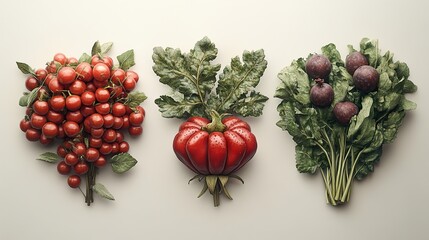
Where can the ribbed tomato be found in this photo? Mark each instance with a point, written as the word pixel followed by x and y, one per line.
pixel 214 148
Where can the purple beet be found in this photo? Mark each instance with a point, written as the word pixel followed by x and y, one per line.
pixel 354 60
pixel 366 79
pixel 318 66
pixel 344 111
pixel 321 94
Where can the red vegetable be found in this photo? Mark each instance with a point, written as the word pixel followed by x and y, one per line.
pixel 217 148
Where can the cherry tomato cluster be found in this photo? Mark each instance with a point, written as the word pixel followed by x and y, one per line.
pixel 84 104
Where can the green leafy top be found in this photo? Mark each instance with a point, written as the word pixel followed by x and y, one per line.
pixel 315 129
pixel 196 91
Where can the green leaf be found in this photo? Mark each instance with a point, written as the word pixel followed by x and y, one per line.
pixel 340 85
pixel 408 105
pixel 331 52
pixel 391 125
pixel 366 163
pixel 295 85
pixel 306 160
pixel 126 60
pixel 49 157
pixel 96 48
pixel 85 58
pixel 25 68
pixel 171 108
pixel 402 71
pixel 105 47
pixel 240 78
pixel 287 113
pixel 409 86
pixel 251 105
pixel 122 162
pixel 32 96
pixel 369 48
pixel 134 99
pixel 102 191
pixel 366 132
pixel 23 100
pixel 362 115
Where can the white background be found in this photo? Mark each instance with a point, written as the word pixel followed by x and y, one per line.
pixel 153 200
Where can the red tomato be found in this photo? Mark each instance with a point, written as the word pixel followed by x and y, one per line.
pixel 209 151
pixel 84 72
pixel 66 75
pixel 101 72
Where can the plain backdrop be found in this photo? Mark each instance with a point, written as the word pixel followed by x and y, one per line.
pixel 154 200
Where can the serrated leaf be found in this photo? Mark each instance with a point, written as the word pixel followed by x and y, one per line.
pixel 331 52
pixel 306 162
pixel 170 108
pixel 85 58
pixel 23 100
pixel 295 85
pixel 251 105
pixel 409 86
pixel 49 157
pixel 126 60
pixel 408 105
pixel 105 47
pixel 102 191
pixel 239 78
pixel 135 98
pixel 369 48
pixel 362 115
pixel 96 48
pixel 25 68
pixel 122 162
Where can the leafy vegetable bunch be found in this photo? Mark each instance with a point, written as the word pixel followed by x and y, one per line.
pixel 340 114
pixel 211 142
pixel 86 105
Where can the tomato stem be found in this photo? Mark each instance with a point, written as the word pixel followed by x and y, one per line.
pixel 216 124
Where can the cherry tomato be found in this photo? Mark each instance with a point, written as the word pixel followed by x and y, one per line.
pixel 129 84
pixel 87 110
pixel 100 162
pixel 118 109
pixel 32 134
pixel 71 129
pixel 37 121
pixel 66 75
pixel 49 78
pixel 41 107
pixel 116 92
pixel 102 95
pixel 41 74
pixel 97 132
pixel 72 61
pixel 61 133
pixel 133 75
pixel 55 117
pixel 136 119
pixel 50 130
pixel 73 102
pixel 55 86
pixel 117 76
pixel 61 151
pixel 24 125
pixel 81 168
pixel 52 67
pixel 60 58
pixel 118 122
pixel 75 116
pixel 31 83
pixel 106 60
pixel 77 87
pixel 84 72
pixel 79 149
pixel 87 98
pixel 73 181
pixel 92 154
pixel 109 135
pixel 126 123
pixel 101 72
pixel 63 168
pixel 96 120
pixel 101 84
pixel 44 140
pixel 95 142
pixel 119 137
pixel 57 103
pixel 124 147
pixel 105 148
pixel 115 148
pixel 102 108
pixel 135 130
pixel 90 87
pixel 108 120
pixel 71 159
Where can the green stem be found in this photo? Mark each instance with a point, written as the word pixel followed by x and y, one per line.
pixel 351 176
pixel 330 199
pixel 216 124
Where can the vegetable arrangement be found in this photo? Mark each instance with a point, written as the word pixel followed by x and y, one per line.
pixel 86 104
pixel 211 142
pixel 341 113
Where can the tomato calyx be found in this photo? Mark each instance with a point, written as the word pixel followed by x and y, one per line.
pixel 216 124
pixel 216 184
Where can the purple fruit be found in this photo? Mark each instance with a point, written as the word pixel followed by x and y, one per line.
pixel 354 60
pixel 366 79
pixel 344 111
pixel 321 94
pixel 318 66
